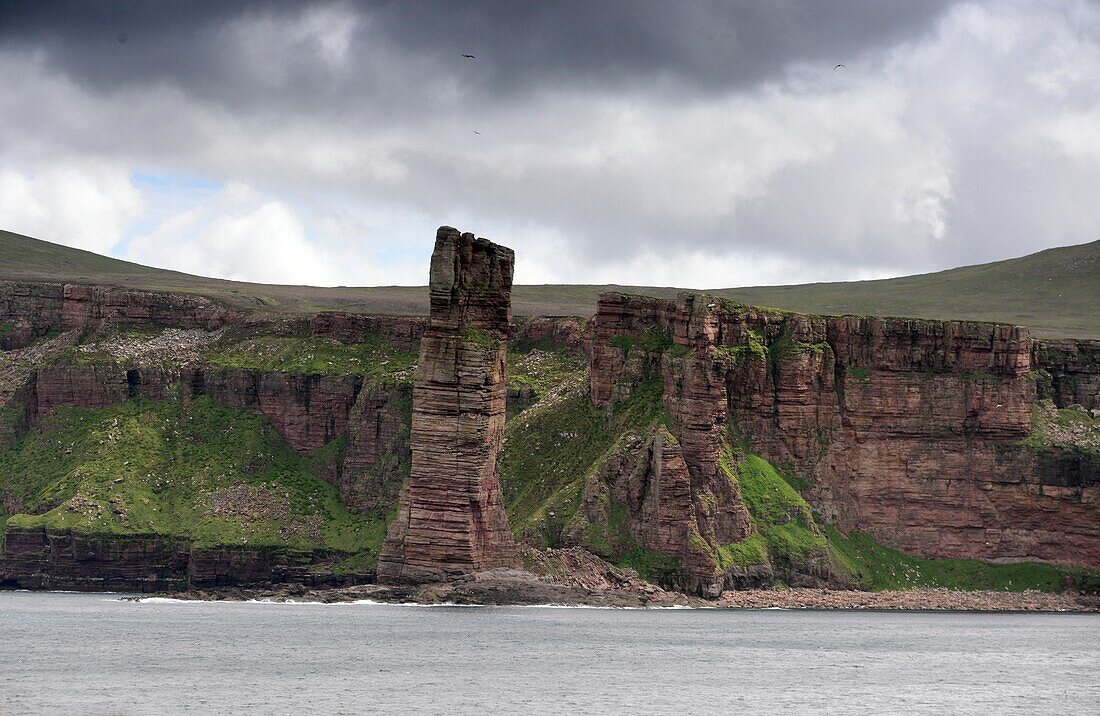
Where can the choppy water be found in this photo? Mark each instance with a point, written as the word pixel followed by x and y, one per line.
pixel 88 653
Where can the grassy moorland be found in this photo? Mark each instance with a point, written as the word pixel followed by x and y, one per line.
pixel 1054 292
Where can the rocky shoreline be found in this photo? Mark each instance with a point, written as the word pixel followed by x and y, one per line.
pixel 912 600
pixel 505 587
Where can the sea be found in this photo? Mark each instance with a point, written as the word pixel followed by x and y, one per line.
pixel 66 653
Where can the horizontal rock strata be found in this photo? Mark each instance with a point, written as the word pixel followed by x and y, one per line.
pixel 36 558
pixel 32 310
pixel 451 517
pixel 910 430
pixel 1070 372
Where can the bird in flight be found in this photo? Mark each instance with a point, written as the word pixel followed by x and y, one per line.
pixel 477 133
pixel 838 67
pixel 469 57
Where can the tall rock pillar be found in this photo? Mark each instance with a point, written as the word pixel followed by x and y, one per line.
pixel 450 518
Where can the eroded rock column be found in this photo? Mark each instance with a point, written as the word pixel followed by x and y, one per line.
pixel 451 518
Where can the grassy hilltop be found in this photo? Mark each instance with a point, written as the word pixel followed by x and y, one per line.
pixel 1054 292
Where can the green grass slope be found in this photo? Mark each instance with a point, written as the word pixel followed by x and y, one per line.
pixel 1055 292
pixel 551 450
pixel 196 470
pixel 877 567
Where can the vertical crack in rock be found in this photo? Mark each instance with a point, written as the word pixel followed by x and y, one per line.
pixel 450 519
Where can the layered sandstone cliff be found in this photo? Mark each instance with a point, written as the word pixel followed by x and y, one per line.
pixel 641 344
pixel 910 430
pixel 451 516
pixel 309 410
pixel 921 433
pixel 32 310
pixel 38 558
pixel 1070 372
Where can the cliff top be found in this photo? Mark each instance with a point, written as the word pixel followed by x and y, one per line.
pixel 470 283
pixel 730 307
pixel 1053 292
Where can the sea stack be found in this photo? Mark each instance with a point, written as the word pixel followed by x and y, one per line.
pixel 450 519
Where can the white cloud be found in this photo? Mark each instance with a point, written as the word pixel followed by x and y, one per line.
pixel 236 235
pixel 240 234
pixel 976 141
pixel 83 204
pixel 1077 135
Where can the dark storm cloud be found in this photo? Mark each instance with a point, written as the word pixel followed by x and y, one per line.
pixel 520 46
pixel 705 44
pixel 671 142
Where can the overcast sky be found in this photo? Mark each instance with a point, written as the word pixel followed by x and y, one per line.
pixel 707 144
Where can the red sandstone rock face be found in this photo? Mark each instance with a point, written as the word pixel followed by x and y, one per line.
pixel 93 387
pixel 908 429
pixel 696 397
pixel 34 309
pixel 35 558
pixel 958 497
pixel 85 387
pixel 309 411
pixel 936 404
pixel 378 450
pixel 402 332
pixel 899 344
pixel 29 311
pixel 451 517
pixel 1074 370
pixel 667 512
pixel 564 333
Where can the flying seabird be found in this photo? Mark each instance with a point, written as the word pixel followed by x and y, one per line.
pixel 477 133
pixel 469 57
pixel 837 67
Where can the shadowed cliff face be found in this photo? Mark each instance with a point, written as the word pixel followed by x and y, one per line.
pixel 451 516
pixel 913 431
pixel 1070 372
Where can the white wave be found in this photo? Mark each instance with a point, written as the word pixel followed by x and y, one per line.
pixel 651 607
pixel 373 602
